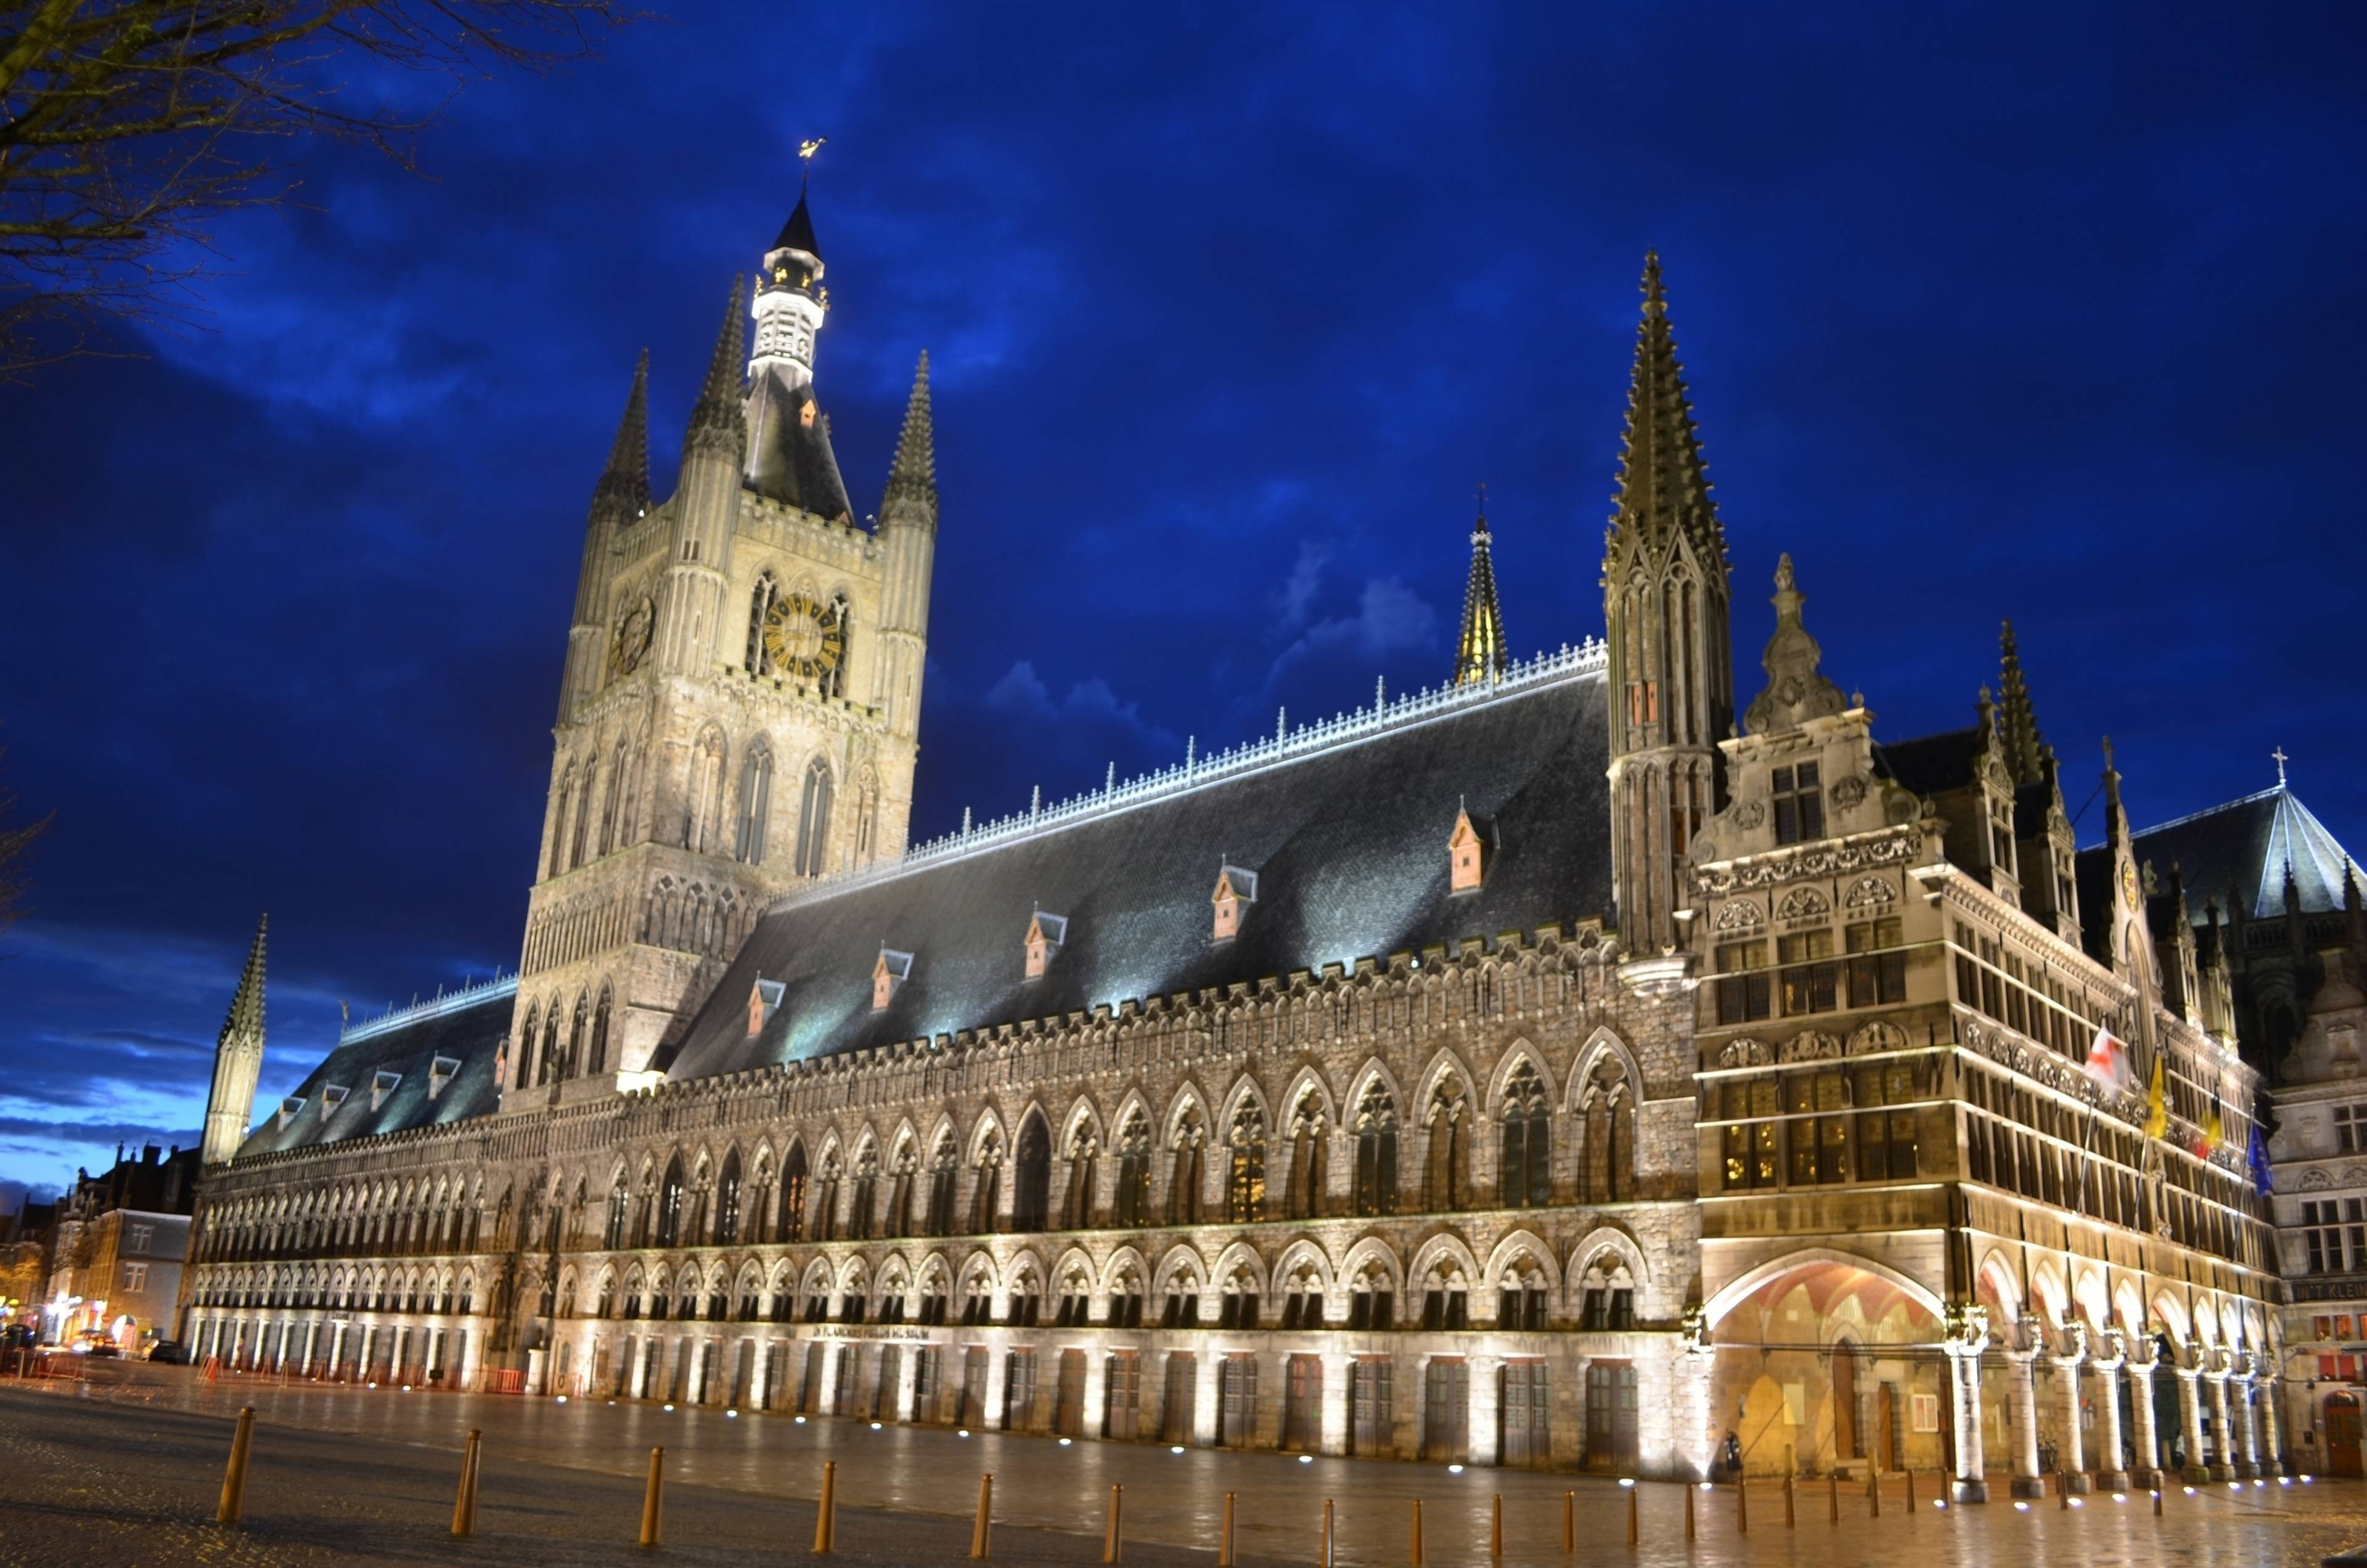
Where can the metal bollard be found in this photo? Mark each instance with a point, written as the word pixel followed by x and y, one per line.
pixel 2156 1502
pixel 1326 1561
pixel 1569 1521
pixel 1833 1497
pixel 1631 1513
pixel 1911 1492
pixel 1741 1507
pixel 1496 1527
pixel 653 1499
pixel 826 1512
pixel 464 1507
pixel 1413 1550
pixel 977 1532
pixel 234 1492
pixel 1874 1489
pixel 1225 1541
pixel 1113 1537
pixel 1689 1510
pixel 1790 1517
pixel 2062 1493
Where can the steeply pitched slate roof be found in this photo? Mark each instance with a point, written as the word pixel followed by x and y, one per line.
pixel 1930 764
pixel 2245 845
pixel 792 460
pixel 469 1027
pixel 1349 841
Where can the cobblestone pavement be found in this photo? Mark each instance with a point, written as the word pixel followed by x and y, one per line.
pixel 127 1470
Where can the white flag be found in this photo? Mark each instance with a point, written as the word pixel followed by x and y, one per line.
pixel 2107 1062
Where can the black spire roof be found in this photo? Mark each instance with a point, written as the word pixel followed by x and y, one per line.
pixel 798 233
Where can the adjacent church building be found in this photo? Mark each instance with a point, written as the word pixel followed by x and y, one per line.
pixel 1568 1066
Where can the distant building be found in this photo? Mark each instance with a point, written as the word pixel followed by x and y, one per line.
pixel 117 1249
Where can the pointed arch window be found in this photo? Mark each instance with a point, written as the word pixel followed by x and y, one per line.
pixel 546 1059
pixel 825 1224
pixel 1084 1177
pixel 813 819
pixel 1030 1194
pixel 1526 1168
pixel 612 797
pixel 559 821
pixel 1133 1196
pixel 670 1204
pixel 1245 1167
pixel 727 1201
pixel 755 803
pixel 524 1074
pixel 867 818
pixel 619 1202
pixel 579 1025
pixel 792 1224
pixel 702 821
pixel 901 1174
pixel 1377 1152
pixel 1188 1170
pixel 944 1170
pixel 986 1196
pixel 597 1062
pixel 1609 1156
pixel 582 829
pixel 1303 1188
pixel 760 604
pixel 1442 1177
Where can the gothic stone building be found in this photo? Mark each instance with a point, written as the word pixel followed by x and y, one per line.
pixel 1533 1071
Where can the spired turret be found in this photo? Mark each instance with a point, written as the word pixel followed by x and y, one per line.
pixel 788 453
pixel 238 1061
pixel 908 530
pixel 1479 650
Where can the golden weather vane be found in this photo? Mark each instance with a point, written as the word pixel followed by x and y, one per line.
pixel 808 148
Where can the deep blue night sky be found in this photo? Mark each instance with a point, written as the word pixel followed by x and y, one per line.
pixel 2051 311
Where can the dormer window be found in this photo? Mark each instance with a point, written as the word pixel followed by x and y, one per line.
pixel 382 1085
pixel 1799 804
pixel 763 1001
pixel 1236 888
pixel 441 1071
pixel 1044 935
pixel 289 1109
pixel 892 970
pixel 332 1096
pixel 1469 849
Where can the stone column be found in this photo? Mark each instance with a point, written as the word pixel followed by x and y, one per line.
pixel 908 1374
pixel 1207 1394
pixel 1695 1437
pixel 1338 1398
pixel 2143 1354
pixel 1486 1373
pixel 692 1388
pixel 2190 1410
pixel 998 1383
pixel 640 1382
pixel 1971 1482
pixel 2070 1457
pixel 2249 1460
pixel 2222 1459
pixel 2273 1424
pixel 2106 1362
pixel 760 1368
pixel 2021 1416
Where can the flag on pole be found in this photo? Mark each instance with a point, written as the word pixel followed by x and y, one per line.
pixel 2107 1062
pixel 2156 1108
pixel 2214 1132
pixel 2262 1182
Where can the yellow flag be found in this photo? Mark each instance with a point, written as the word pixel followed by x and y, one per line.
pixel 2157 1109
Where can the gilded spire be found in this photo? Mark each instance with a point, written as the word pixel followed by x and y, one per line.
pixel 1479 653
pixel 2025 754
pixel 717 423
pixel 624 486
pixel 912 476
pixel 1663 491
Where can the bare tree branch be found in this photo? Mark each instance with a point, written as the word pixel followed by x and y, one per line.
pixel 16 840
pixel 128 126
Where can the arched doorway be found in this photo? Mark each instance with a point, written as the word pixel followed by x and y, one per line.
pixel 2342 1434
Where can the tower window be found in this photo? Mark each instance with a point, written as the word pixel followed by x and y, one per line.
pixel 755 803
pixel 1799 804
pixel 760 604
pixel 813 819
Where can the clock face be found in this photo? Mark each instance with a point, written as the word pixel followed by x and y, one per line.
pixel 631 639
pixel 803 637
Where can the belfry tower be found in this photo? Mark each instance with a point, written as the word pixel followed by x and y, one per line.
pixel 740 708
pixel 1664 607
pixel 238 1061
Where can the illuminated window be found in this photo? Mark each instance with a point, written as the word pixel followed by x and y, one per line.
pixel 1799 804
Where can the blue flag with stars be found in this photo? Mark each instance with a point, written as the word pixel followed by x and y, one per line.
pixel 2260 1157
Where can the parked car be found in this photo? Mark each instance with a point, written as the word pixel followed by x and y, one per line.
pixel 19 1336
pixel 168 1351
pixel 99 1348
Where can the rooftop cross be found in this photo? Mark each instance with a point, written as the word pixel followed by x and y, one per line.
pixel 2279 755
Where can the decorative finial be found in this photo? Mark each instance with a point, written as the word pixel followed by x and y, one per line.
pixel 806 151
pixel 2279 755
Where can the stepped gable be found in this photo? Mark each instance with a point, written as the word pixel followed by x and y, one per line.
pixel 469 1027
pixel 1349 841
pixel 2245 845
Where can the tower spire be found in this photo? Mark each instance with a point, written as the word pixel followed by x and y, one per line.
pixel 717 420
pixel 1480 653
pixel 624 486
pixel 2025 754
pixel 238 1060
pixel 1663 489
pixel 912 476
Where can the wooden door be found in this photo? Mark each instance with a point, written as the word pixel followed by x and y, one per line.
pixel 1019 1392
pixel 1446 1411
pixel 891 1373
pixel 1069 1399
pixel 1886 1428
pixel 1845 1435
pixel 972 1411
pixel 2342 1431
pixel 1122 1409
pixel 928 1372
pixel 1369 1421
pixel 1611 1416
pixel 1176 1408
pixel 1302 1411
pixel 1524 1407
pixel 1237 1402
